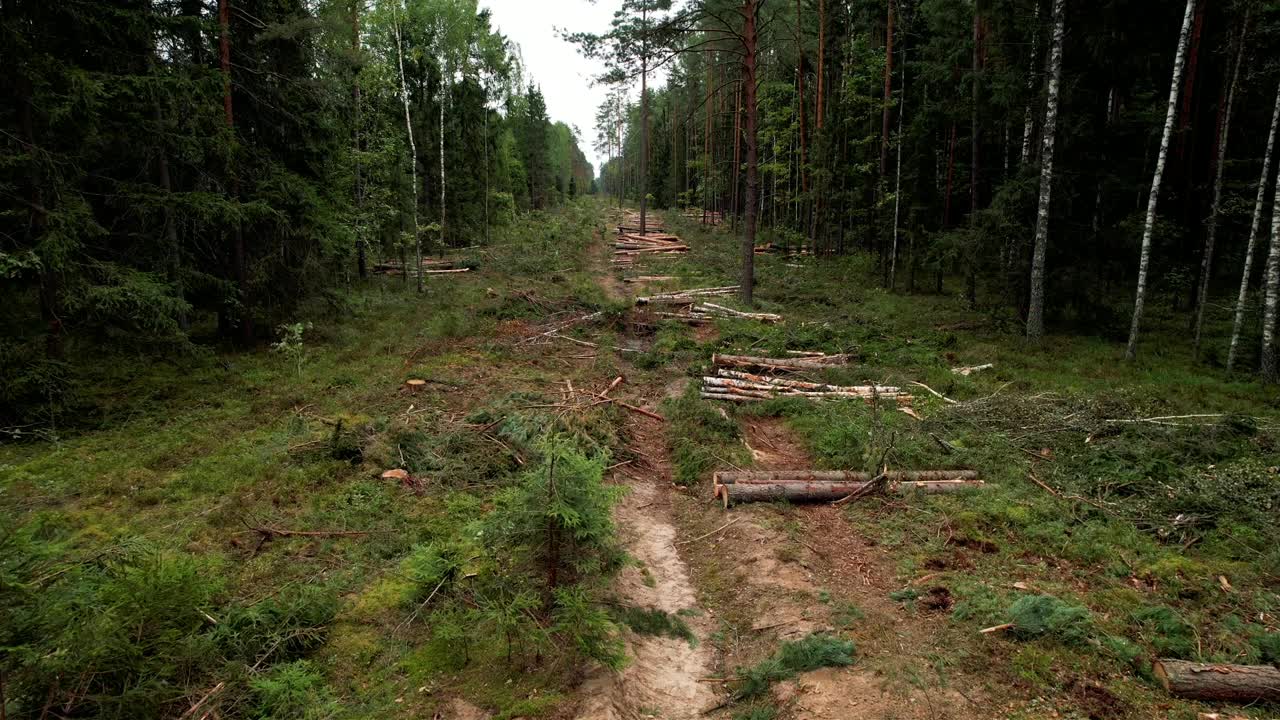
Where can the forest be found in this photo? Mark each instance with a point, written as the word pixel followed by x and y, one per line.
pixel 896 359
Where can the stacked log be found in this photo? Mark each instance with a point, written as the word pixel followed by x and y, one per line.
pixel 797 363
pixel 735 386
pixel 833 485
pixel 430 266
pixel 706 312
pixel 686 297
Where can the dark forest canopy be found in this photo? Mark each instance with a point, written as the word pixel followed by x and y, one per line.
pixel 169 166
pixel 913 129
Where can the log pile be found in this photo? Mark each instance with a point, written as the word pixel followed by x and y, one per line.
pixel 630 223
pixel 834 485
pixel 637 244
pixel 737 386
pixel 706 217
pixel 686 297
pixel 796 363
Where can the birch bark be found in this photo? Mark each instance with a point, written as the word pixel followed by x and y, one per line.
pixel 413 152
pixel 1035 314
pixel 1253 237
pixel 1144 262
pixel 1206 262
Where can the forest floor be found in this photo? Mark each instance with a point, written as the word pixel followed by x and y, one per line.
pixel 1150 538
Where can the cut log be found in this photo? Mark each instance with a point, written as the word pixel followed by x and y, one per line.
pixel 830 491
pixel 713 309
pixel 806 362
pixel 1219 682
pixel 688 294
pixel 649 278
pixel 967 371
pixel 837 476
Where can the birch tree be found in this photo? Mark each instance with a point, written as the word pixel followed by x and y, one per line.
pixel 1271 296
pixel 413 149
pixel 1206 262
pixel 1253 236
pixel 1035 314
pixel 1144 263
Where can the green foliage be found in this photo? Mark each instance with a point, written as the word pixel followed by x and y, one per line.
pixel 1037 616
pixel 700 438
pixel 813 652
pixel 652 621
pixel 293 691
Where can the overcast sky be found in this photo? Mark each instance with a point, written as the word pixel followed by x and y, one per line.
pixel 555 65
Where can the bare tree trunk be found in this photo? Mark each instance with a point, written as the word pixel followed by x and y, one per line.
pixel 1028 124
pixel 897 183
pixel 1253 236
pixel 737 154
pixel 362 262
pixel 749 47
pixel 413 154
pixel 1035 314
pixel 1144 262
pixel 443 97
pixel 1271 283
pixel 644 123
pixel 237 243
pixel 887 111
pixel 975 149
pixel 1206 263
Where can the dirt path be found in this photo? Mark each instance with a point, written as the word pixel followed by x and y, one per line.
pixel 663 678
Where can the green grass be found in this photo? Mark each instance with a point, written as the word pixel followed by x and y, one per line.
pixel 1148 521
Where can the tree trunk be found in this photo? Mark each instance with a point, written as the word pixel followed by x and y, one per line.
pixel 443 96
pixel 413 155
pixel 1144 262
pixel 1253 236
pixel 644 122
pixel 822 58
pixel 239 253
pixel 837 476
pixel 737 155
pixel 887 111
pixel 897 182
pixel 832 491
pixel 1271 283
pixel 1035 313
pixel 362 260
pixel 1245 684
pixel 1224 132
pixel 749 47
pixel 1028 124
pixel 975 149
pixel 1188 94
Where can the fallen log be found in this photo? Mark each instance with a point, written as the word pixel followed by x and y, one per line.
pixel 649 278
pixel 1218 682
pixel 806 362
pixel 967 371
pixel 839 476
pixel 830 491
pixel 713 309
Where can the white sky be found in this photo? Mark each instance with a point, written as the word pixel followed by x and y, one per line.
pixel 555 65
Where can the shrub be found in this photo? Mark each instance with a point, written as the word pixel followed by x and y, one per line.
pixel 292 691
pixel 1037 616
pixel 813 652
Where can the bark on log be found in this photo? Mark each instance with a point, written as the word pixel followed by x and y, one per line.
pixel 829 491
pixel 837 476
pixel 1216 682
